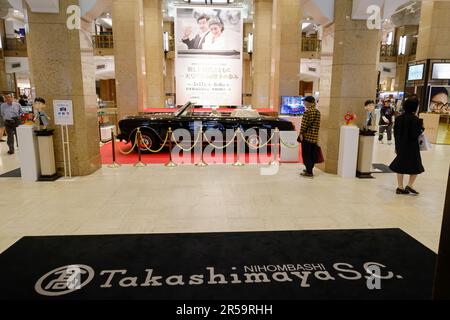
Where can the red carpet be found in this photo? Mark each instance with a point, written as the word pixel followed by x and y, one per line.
pixel 163 157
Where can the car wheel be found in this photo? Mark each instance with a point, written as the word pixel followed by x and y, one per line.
pixel 148 141
pixel 255 140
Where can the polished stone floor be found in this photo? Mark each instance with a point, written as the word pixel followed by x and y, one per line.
pixel 156 199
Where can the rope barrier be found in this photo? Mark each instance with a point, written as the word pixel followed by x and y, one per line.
pixel 170 164
pixel 132 147
pixel 113 141
pixel 287 145
pixel 139 163
pixel 259 147
pixel 192 147
pixel 162 146
pixel 223 147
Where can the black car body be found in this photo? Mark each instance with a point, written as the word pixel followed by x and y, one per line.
pixel 154 126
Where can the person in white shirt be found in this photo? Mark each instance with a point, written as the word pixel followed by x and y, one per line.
pixel 10 112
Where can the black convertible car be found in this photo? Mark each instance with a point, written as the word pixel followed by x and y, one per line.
pixel 154 126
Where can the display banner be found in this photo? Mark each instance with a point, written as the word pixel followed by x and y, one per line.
pixel 438 100
pixel 208 56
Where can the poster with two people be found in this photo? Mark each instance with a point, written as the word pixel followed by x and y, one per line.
pixel 208 56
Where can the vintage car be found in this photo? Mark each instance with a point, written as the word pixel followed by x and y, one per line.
pixel 154 126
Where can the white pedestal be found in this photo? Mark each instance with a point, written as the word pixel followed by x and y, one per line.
pixel 105 133
pixel 28 153
pixel 365 154
pixel 348 151
pixel 289 147
pixel 46 155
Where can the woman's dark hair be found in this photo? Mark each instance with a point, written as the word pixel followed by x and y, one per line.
pixel 410 105
pixel 217 21
pixel 39 99
pixel 368 102
pixel 2 99
pixel 438 90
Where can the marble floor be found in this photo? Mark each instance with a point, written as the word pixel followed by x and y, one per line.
pixel 156 199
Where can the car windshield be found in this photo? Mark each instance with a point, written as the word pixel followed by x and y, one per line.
pixel 184 110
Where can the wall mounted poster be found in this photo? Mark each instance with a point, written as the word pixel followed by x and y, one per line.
pixel 208 56
pixel 438 102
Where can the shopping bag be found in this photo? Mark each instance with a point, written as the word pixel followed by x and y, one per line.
pixel 319 155
pixel 424 144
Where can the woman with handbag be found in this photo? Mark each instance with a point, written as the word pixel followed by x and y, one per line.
pixel 408 127
pixel 309 136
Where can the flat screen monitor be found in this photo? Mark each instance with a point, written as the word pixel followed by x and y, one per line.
pixel 441 71
pixel 292 105
pixel 415 72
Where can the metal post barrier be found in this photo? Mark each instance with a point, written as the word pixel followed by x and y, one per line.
pixel 238 163
pixel 201 163
pixel 170 164
pixel 113 141
pixel 275 160
pixel 139 140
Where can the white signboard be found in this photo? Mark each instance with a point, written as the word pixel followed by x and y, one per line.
pixel 63 112
pixel 208 56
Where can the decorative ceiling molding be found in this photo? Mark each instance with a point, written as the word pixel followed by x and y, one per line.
pixel 43 6
pixel 322 11
pixel 388 8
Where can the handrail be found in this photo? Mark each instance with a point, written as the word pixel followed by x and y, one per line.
pixel 104 41
pixel 388 50
pixel 16 44
pixel 311 44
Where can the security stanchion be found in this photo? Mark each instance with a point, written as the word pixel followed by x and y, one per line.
pixel 275 160
pixel 113 141
pixel 201 163
pixel 139 139
pixel 238 163
pixel 170 164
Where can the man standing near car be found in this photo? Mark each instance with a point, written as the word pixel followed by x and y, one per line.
pixel 309 135
pixel 10 112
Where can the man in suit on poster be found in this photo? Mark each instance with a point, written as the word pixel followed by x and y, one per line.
pixel 198 41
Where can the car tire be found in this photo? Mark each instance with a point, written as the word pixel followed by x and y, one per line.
pixel 255 141
pixel 148 141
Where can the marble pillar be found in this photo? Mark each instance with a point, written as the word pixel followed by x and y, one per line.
pixel 348 76
pixel 62 68
pixel 129 56
pixel 276 57
pixel 261 58
pixel 434 31
pixel 290 14
pixel 3 77
pixel 154 54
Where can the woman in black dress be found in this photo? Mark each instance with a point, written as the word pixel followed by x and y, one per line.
pixel 407 129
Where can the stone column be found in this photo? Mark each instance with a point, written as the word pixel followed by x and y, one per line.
pixel 261 57
pixel 129 55
pixel 290 13
pixel 348 76
pixel 62 68
pixel 3 78
pixel 276 58
pixel 154 54
pixel 434 31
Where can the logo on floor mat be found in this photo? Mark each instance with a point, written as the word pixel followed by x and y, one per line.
pixel 64 280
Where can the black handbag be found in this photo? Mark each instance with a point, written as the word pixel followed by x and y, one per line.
pixel 14 122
